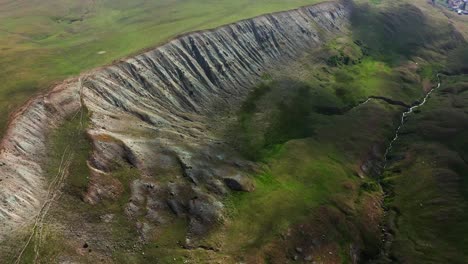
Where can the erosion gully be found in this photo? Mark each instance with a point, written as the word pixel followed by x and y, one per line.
pixel 403 119
pixel 387 237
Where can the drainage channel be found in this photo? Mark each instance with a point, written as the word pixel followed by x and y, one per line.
pixel 387 237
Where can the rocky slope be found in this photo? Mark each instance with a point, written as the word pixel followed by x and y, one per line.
pixel 23 186
pixel 158 112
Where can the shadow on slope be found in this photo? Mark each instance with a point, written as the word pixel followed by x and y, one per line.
pixel 401 31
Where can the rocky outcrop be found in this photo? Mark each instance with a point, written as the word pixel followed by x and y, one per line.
pixel 23 186
pixel 157 112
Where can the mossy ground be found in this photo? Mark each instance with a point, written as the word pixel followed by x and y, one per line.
pixel 313 141
pixel 312 144
pixel 429 185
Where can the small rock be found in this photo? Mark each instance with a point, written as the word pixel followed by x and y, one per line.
pixel 308 258
pixel 175 207
pixel 107 218
pixel 239 183
pixel 299 250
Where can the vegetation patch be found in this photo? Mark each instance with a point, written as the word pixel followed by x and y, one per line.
pixel 429 185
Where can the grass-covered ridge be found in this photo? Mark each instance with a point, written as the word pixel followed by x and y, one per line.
pixel 46 41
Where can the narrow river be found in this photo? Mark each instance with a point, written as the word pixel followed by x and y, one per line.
pixel 403 119
pixel 386 233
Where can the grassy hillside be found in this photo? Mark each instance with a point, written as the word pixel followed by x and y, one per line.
pixel 46 41
pixel 310 176
pixel 315 143
pixel 426 179
pixel 429 185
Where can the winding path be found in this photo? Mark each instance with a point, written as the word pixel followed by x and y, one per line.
pixel 53 194
pixel 54 190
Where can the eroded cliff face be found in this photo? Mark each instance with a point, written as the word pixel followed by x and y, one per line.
pixel 158 112
pixel 23 185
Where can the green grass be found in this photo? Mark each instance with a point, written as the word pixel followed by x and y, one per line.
pixel 318 143
pixel 61 145
pixel 53 244
pixel 47 41
pixel 302 126
pixel 370 78
pixel 430 184
pixel 290 107
pixel 305 175
pixel 299 180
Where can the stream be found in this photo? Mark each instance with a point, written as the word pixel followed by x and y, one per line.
pixel 386 232
pixel 403 118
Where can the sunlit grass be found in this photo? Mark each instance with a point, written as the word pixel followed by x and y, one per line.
pixel 46 41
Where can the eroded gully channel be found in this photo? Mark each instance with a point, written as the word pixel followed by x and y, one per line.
pixel 403 117
pixel 387 237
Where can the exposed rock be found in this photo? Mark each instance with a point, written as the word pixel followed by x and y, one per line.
pixel 107 218
pixel 373 164
pixel 23 149
pixel 205 212
pixel 163 103
pixel 239 183
pixel 176 207
pixel 101 187
pixel 155 112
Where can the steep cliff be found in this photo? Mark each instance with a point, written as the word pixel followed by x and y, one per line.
pixel 157 112
pixel 23 185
